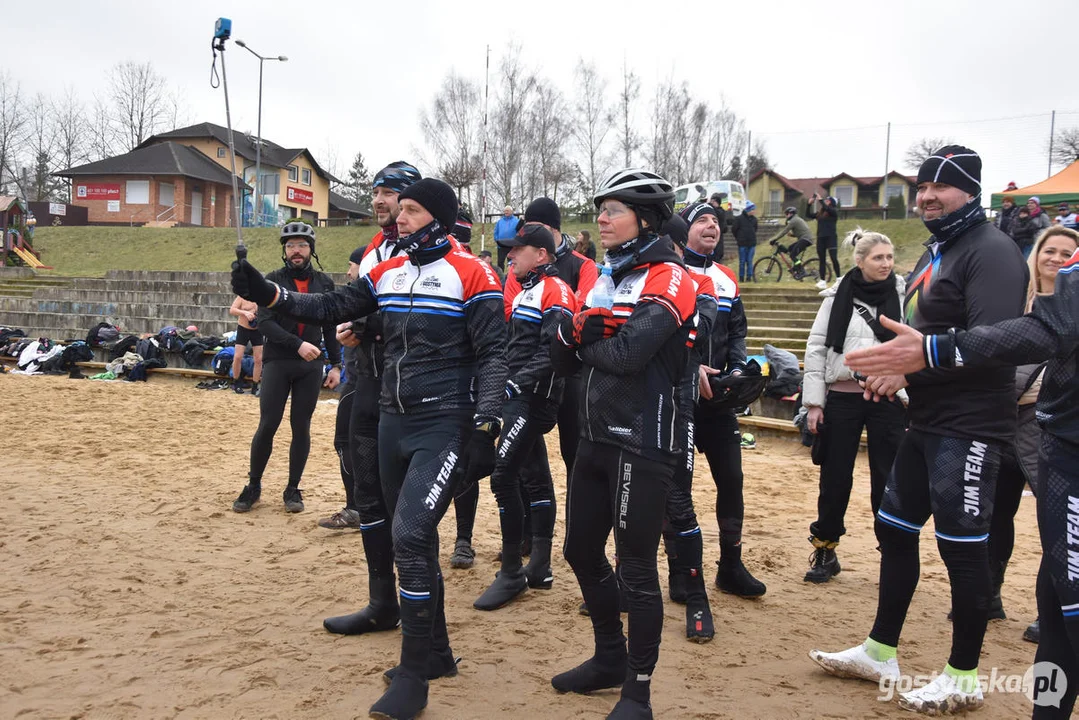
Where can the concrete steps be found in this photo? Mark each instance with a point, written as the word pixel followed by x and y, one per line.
pixel 779 314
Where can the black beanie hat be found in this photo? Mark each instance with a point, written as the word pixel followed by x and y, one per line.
pixel 544 210
pixel 953 165
pixel 691 213
pixel 357 255
pixel 436 197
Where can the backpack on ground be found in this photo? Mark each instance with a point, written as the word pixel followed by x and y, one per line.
pixel 149 349
pixel 102 333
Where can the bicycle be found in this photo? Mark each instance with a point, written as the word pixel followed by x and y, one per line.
pixel 770 269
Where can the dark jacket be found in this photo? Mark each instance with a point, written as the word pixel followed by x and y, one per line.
pixel 537 312
pixel 977 278
pixel 283 335
pixel 1005 220
pixel 1024 230
pixel 745 230
pixel 633 381
pixel 1050 331
pixel 444 333
pixel 574 269
pixel 826 217
pixel 726 347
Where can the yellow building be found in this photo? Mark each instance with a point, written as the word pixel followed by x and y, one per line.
pixel 857 196
pixel 292 183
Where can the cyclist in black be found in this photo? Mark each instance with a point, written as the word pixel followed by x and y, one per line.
pixel 529 411
pixel 382 612
pixel 716 430
pixel 1049 332
pixel 634 356
pixel 445 374
pixel 292 365
pixel 970 275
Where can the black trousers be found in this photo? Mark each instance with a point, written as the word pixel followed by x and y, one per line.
pixel 282 378
pixel 615 489
pixel 418 458
pixel 521 456
pixel 827 245
pixel 954 480
pixel 1058 581
pixel 363 446
pixel 1010 484
pixel 718 437
pixel 341 428
pixel 845 415
pixel 569 422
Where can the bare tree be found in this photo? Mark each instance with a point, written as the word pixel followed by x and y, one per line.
pixel 921 149
pixel 725 143
pixel 35 178
pixel 101 131
pixel 12 128
pixel 71 131
pixel 510 124
pixel 139 102
pixel 628 139
pixel 1066 146
pixel 758 159
pixel 670 146
pixel 593 124
pixel 548 132
pixel 452 128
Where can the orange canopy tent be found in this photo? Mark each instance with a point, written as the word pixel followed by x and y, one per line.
pixel 1062 187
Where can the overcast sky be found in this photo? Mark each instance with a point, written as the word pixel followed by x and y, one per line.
pixel 818 85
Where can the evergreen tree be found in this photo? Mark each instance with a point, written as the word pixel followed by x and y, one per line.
pixel 358 187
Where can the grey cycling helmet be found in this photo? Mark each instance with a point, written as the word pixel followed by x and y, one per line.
pixel 634 186
pixel 298 229
pixel 790 210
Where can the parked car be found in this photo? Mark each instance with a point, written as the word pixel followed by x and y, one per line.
pixel 702 190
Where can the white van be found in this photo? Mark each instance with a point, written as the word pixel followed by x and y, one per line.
pixel 702 190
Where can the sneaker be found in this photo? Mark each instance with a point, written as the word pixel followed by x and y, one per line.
pixel 856 663
pixel 248 497
pixel 343 519
pixel 293 500
pixel 463 555
pixel 822 284
pixel 255 389
pixel 823 565
pixel 944 696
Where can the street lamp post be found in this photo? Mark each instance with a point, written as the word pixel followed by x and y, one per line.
pixel 258 143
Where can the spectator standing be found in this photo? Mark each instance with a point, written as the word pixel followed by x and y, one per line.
pixel 848 319
pixel 1005 220
pixel 505 228
pixel 745 235
pixel 826 215
pixel 1066 217
pixel 1024 229
pixel 1039 216
pixel 247 331
pixel 585 246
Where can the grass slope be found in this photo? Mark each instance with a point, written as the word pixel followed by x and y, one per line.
pixel 92 251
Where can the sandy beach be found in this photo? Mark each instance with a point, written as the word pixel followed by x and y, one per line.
pixel 131 590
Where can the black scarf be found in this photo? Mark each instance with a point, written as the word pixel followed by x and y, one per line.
pixel 626 256
pixel 427 236
pixel 538 273
pixel 957 222
pixel 880 295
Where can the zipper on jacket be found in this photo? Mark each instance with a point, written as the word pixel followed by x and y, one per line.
pixel 404 336
pixel 674 417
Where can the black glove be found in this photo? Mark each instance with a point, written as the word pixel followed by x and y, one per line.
pixel 480 451
pixel 248 283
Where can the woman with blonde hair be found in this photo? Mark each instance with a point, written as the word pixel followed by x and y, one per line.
pixel 1050 251
pixel 848 320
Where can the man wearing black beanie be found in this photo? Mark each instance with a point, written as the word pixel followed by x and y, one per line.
pixel 971 274
pixel 443 380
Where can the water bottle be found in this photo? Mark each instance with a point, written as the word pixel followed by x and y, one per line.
pixel 603 291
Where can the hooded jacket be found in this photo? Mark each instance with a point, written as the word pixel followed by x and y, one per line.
pixel 633 381
pixel 284 335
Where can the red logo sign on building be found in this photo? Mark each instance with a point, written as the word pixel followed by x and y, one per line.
pixel 302 197
pixel 97 191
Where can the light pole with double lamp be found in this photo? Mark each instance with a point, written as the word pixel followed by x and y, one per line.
pixel 258 143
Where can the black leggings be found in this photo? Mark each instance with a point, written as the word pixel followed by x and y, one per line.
pixel 1058 584
pixel 845 414
pixel 525 419
pixel 569 423
pixel 280 379
pixel 954 480
pixel 718 437
pixel 827 245
pixel 1010 484
pixel 418 460
pixel 341 440
pixel 614 488
pixel 363 446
